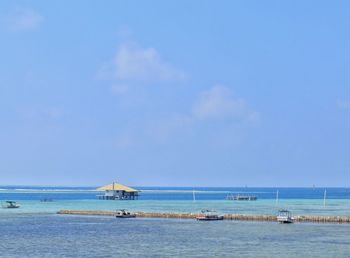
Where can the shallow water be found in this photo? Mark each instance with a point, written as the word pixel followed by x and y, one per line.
pixel 84 236
pixel 298 207
pixel 301 201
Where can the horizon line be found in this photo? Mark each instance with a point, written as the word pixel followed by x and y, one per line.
pixel 175 186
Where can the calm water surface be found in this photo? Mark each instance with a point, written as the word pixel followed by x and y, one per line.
pixel 78 236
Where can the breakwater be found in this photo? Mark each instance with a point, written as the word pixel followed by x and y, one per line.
pixel 239 217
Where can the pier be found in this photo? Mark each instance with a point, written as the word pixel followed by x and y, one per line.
pixel 238 217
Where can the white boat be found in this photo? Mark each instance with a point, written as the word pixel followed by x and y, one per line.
pixel 209 215
pixel 10 205
pixel 124 214
pixel 284 216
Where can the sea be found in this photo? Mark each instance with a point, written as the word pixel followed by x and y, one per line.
pixel 36 230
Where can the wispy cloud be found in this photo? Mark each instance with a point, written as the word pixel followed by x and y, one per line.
pixel 134 64
pixel 220 103
pixel 143 64
pixel 231 115
pixel 343 104
pixel 24 19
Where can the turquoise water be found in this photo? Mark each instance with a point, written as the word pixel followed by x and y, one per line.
pixel 298 207
pixel 301 201
pixel 79 236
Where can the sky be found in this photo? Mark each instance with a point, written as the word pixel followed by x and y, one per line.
pixel 175 93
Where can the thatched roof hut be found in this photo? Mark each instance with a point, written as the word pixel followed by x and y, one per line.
pixel 116 187
pixel 116 191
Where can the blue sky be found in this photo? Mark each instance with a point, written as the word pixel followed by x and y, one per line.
pixel 175 93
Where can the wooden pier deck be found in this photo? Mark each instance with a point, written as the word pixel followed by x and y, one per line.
pixel 239 217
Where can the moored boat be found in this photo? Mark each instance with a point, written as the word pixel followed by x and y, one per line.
pixel 10 205
pixel 209 215
pixel 284 217
pixel 124 214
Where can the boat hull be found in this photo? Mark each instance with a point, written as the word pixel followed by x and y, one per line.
pixel 285 220
pixel 207 218
pixel 288 221
pixel 125 216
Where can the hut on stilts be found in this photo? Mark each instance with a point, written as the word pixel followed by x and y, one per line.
pixel 116 191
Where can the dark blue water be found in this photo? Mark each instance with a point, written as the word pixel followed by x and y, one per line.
pixel 172 193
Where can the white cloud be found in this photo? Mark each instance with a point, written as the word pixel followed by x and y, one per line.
pixel 219 103
pixel 143 64
pixel 343 104
pixel 133 64
pixel 23 19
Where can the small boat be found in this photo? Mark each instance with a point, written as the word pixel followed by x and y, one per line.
pixel 284 217
pixel 10 205
pixel 209 215
pixel 124 214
